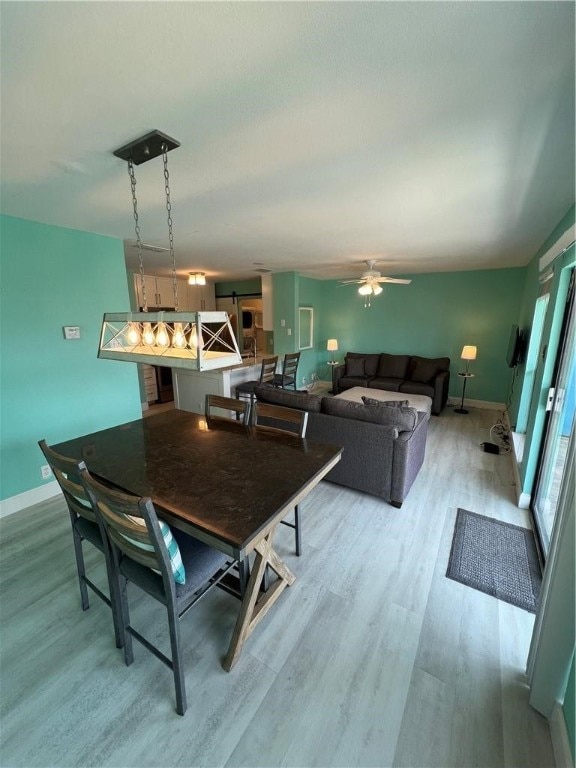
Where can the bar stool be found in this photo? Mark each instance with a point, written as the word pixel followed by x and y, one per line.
pixel 287 378
pixel 267 373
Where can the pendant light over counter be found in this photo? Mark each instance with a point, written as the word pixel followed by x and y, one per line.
pixel 195 340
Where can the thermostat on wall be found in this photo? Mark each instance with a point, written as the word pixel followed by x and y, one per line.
pixel 71 331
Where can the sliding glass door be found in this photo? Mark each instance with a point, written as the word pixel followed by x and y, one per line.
pixel 559 426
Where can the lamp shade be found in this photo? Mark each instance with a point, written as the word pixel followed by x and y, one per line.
pixel 332 345
pixel 196 278
pixel 468 352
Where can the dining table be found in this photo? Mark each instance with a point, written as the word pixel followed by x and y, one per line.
pixel 224 483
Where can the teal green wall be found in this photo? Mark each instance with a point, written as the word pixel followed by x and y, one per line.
pixel 310 295
pixel 52 388
pixel 286 293
pixel 569 710
pixel 434 316
pixel 239 287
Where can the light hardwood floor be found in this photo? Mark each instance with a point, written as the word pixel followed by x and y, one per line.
pixel 372 658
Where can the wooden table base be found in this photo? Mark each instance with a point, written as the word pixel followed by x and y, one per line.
pixel 256 604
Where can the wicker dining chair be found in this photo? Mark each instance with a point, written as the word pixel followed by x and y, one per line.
pixel 170 566
pixel 85 528
pixel 282 419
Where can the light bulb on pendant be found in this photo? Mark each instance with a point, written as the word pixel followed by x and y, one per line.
pixel 377 289
pixel 162 339
pixel 365 290
pixel 193 340
pixel 133 334
pixel 178 339
pixel 148 334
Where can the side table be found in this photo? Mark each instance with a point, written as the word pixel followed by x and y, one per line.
pixel 464 377
pixel 332 364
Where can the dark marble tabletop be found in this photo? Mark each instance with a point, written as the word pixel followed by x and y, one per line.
pixel 225 484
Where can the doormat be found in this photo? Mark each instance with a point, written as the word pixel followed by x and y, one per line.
pixel 497 558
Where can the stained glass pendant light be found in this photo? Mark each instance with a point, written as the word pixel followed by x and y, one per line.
pixel 195 340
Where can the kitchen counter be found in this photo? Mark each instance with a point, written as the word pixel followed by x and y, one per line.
pixel 191 387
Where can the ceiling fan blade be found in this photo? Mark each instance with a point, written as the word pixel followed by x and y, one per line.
pixel 347 282
pixel 397 280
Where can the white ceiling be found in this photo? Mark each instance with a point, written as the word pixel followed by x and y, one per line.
pixel 431 136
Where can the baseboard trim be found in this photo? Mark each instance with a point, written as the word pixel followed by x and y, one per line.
pixel 560 740
pixel 490 406
pixel 28 498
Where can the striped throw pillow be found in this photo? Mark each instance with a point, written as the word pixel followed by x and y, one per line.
pixel 176 563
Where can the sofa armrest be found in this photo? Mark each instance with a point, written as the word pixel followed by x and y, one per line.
pixel 366 462
pixel 441 386
pixel 337 373
pixel 409 452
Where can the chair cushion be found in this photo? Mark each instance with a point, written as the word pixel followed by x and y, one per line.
pixel 247 386
pixel 200 560
pixel 89 531
pixel 281 380
pixel 178 570
pixel 392 366
pixel 354 366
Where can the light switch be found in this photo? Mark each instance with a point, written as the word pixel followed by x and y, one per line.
pixel 282 323
pixel 71 332
pixel 289 331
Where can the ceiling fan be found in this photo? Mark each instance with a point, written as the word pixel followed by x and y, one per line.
pixel 370 282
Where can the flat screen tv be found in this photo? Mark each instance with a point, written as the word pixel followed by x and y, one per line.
pixel 514 351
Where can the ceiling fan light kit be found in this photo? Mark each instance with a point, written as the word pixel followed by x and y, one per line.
pixel 195 340
pixel 370 282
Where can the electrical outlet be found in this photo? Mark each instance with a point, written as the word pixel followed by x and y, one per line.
pixel 45 471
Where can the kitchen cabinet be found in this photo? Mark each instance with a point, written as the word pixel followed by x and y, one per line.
pixel 150 384
pixel 160 292
pixel 201 298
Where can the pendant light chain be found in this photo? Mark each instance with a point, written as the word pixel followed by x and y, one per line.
pixel 170 233
pixel 132 176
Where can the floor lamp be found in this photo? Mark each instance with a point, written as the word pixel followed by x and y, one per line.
pixel 468 354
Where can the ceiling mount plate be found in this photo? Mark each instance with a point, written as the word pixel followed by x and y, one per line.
pixel 146 147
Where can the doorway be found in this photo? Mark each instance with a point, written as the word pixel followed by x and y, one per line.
pixel 558 429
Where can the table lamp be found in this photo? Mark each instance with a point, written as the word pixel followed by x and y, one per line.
pixel 332 346
pixel 468 353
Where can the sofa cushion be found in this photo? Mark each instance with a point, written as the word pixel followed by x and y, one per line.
pixel 389 403
pixel 422 370
pixel 392 385
pixel 402 418
pixel 355 366
pixel 371 364
pixel 417 388
pixel 392 366
pixel 303 401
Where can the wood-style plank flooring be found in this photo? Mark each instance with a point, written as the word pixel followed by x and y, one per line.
pixel 372 658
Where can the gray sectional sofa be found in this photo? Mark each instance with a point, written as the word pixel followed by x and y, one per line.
pixel 384 445
pixel 407 374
